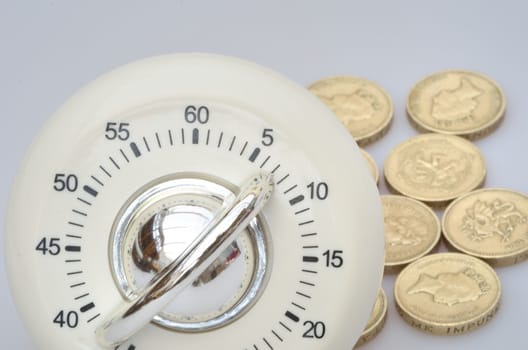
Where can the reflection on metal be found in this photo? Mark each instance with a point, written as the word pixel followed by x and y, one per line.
pixel 182 233
pixel 154 237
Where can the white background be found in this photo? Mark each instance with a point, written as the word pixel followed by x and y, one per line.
pixel 49 49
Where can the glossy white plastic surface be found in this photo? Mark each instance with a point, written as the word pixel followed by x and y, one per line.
pixel 244 100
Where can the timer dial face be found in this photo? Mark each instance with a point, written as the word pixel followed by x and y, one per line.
pixel 86 230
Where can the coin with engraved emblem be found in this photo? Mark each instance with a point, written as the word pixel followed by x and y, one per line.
pixel 456 102
pixel 491 224
pixel 447 293
pixel 412 230
pixel 361 105
pixel 373 167
pixel 376 321
pixel 435 168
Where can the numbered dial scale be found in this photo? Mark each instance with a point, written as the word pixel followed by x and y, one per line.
pixel 194 202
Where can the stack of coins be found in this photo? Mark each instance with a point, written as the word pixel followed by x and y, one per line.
pixel 441 293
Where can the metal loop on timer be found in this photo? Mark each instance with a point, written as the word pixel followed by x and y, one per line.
pixel 234 217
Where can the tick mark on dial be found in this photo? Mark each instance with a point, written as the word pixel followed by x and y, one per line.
pixel 311 259
pixel 82 296
pixel 254 154
pixel 97 180
pixel 146 144
pixel 265 161
pixel 75 224
pixel 171 141
pixel 83 200
pixel 79 212
pixel 292 316
pixel 283 178
pixel 232 143
pixel 124 155
pixel 158 139
pixel 307 283
pixel 302 211
pixel 284 326
pixel 87 307
pixel 298 306
pixel 105 171
pixel 195 136
pixel 93 318
pixel 297 199
pixel 220 139
pixel 306 223
pixel 114 162
pixel 135 149
pixel 309 234
pixel 290 189
pixel 243 148
pixel 72 248
pixel 267 343
pixel 276 335
pixel 74 273
pixel 303 295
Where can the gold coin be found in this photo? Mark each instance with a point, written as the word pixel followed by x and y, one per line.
pixel 456 102
pixel 491 224
pixel 435 168
pixel 412 230
pixel 447 293
pixel 377 319
pixel 373 167
pixel 362 106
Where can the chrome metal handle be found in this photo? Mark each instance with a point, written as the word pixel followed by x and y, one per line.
pixel 131 316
